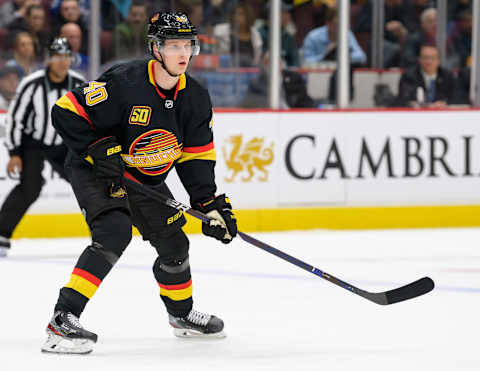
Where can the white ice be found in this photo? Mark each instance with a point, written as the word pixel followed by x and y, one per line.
pixel 277 316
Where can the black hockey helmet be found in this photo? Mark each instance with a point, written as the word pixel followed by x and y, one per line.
pixel 59 45
pixel 171 25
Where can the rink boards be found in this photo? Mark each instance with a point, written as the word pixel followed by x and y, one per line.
pixel 327 169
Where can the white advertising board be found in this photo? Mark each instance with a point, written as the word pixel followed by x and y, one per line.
pixel 273 159
pixel 56 196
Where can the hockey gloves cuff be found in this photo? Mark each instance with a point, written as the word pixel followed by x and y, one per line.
pixel 223 225
pixel 104 155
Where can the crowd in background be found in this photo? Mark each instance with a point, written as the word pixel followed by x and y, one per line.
pixel 235 34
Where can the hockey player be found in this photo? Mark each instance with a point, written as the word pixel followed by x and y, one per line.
pixel 31 138
pixel 154 117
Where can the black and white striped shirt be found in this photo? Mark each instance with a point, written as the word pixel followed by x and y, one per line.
pixel 29 112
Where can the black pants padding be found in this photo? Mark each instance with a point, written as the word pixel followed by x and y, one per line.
pixel 27 191
pixel 110 221
pixel 112 230
pixel 172 247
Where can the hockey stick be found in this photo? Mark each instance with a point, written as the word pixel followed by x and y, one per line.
pixel 410 291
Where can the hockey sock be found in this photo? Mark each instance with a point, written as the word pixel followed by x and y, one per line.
pixel 112 232
pixel 91 268
pixel 175 284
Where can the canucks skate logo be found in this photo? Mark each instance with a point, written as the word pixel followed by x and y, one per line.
pixel 246 158
pixel 153 152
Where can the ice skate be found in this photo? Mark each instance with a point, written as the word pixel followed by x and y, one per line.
pixel 4 246
pixel 67 336
pixel 197 325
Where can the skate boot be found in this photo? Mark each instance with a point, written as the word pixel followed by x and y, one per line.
pixel 197 325
pixel 67 336
pixel 4 246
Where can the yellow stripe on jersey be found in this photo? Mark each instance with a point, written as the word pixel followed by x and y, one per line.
pixel 67 104
pixel 151 76
pixel 183 82
pixel 208 155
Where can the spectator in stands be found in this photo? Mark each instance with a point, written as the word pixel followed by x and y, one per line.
pixel 310 14
pixel 426 36
pixel 456 7
pixel 70 12
pixel 239 37
pixel 395 31
pixel 460 40
pixel 33 23
pixel 217 11
pixel 73 33
pixel 23 55
pixel 111 16
pixel 9 78
pixel 321 44
pixel 83 5
pixel 426 84
pixel 11 10
pixel 414 10
pixel 289 52
pixel 129 38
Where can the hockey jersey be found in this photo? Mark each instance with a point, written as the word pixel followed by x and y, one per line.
pixel 157 129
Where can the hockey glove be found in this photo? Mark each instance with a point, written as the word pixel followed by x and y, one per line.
pixel 104 155
pixel 223 225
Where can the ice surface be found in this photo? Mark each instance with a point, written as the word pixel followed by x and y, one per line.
pixel 277 316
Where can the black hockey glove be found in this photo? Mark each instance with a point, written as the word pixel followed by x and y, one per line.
pixel 223 225
pixel 104 155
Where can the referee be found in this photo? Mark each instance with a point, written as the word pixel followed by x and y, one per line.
pixel 31 138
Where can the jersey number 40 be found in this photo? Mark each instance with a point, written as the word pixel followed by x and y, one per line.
pixel 95 93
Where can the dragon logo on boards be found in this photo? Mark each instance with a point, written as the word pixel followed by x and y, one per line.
pixel 153 152
pixel 247 157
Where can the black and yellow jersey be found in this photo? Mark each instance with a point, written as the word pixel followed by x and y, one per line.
pixel 158 129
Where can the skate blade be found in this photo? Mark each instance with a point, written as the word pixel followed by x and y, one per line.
pixel 60 345
pixel 191 334
pixel 3 252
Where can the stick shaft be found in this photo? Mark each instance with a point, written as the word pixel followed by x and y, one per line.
pixel 409 291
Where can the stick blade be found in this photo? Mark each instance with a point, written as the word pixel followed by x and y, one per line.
pixel 412 290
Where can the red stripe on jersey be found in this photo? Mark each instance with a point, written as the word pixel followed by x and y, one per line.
pixel 200 149
pixel 88 276
pixel 156 87
pixel 176 90
pixel 176 287
pixel 79 108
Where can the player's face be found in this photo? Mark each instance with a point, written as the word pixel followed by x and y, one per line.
pixel 59 65
pixel 176 55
